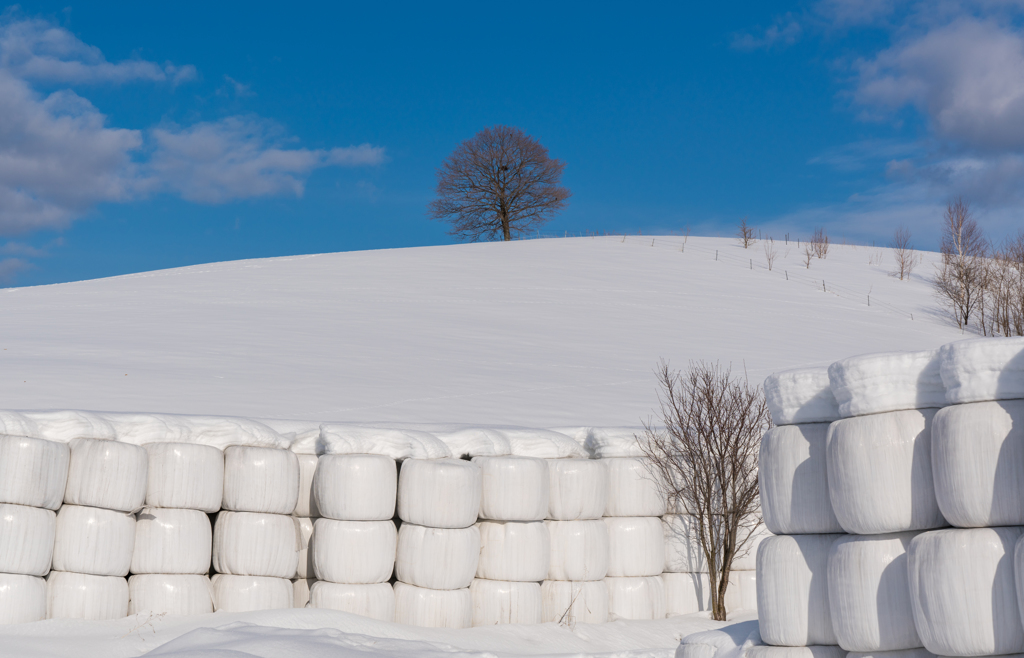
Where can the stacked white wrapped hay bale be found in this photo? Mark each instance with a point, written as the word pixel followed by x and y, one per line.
pixel 306 513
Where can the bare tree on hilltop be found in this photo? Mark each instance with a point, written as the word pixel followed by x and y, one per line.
pixel 745 234
pixel 903 251
pixel 500 183
pixel 962 276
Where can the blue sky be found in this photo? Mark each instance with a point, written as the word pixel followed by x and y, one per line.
pixel 136 137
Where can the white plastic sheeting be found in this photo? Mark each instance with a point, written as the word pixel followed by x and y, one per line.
pixel 247 593
pixel 305 506
pixel 962 591
pixel 880 473
pixel 636 546
pixel 84 596
pixel 513 488
pixel 869 593
pixel 584 602
pixel 903 653
pixel 16 423
pixel 578 489
pixel 33 472
pixel 604 442
pixel 250 544
pixel 68 425
pixel 22 598
pixel 977 458
pixel 741 594
pixel 633 488
pixel 499 602
pixel 185 476
pixel 636 598
pixel 300 591
pixel 374 601
pixel 172 541
pixel 891 381
pixel 513 551
pixel 437 558
pixel 683 553
pixel 107 474
pixel 802 395
pixel 579 550
pixel 433 608
pixel 178 594
pixel 26 539
pixel 93 541
pixel 356 487
pixel 687 593
pixel 983 369
pixel 398 444
pixel 545 444
pixel 299 436
pixel 818 651
pixel 793 479
pixel 439 493
pixel 792 590
pixel 216 431
pixel 476 442
pixel 354 552
pixel 264 480
pixel 304 563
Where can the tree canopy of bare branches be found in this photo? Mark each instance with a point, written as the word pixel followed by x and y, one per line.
pixel 500 182
pixel 705 458
pixel 961 278
pixel 745 233
pixel 1002 306
pixel 770 253
pixel 819 242
pixel 903 252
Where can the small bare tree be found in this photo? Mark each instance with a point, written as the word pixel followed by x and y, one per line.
pixel 960 280
pixel 820 242
pixel 903 252
pixel 745 234
pixel 770 253
pixel 499 183
pixel 808 254
pixel 705 459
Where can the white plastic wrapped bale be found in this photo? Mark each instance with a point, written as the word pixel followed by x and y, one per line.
pixel 84 596
pixel 513 488
pixel 300 591
pixel 962 591
pixel 250 544
pixel 636 546
pixel 263 480
pixel 683 553
pixel 305 506
pixel 107 474
pixel 579 550
pixel 903 653
pixel 636 598
pixel 748 560
pixel 26 539
pixel 633 488
pixel 799 396
pixel 977 458
pixel 172 541
pixel 89 540
pixel 437 558
pixel 545 444
pixel 499 602
pixel 33 472
pixel 891 381
pixel 869 593
pixel 476 442
pixel 605 442
pixel 880 473
pixel 185 476
pixel 687 593
pixel 304 563
pixel 983 369
pixel 247 593
pixel 374 601
pixel 819 651
pixel 578 489
pixel 513 551
pixel 439 493
pixel 172 594
pixel 793 480
pixel 354 552
pixel 356 487
pixel 398 444
pixel 433 608
pixel 22 598
pixel 792 590
pixel 583 602
pixel 742 591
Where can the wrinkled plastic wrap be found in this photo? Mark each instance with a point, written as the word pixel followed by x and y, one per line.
pixel 433 608
pixel 513 488
pixel 439 493
pixel 579 550
pixel 22 598
pixel 16 423
pixel 687 593
pixel 250 544
pixel 305 506
pixel 264 480
pixel 513 551
pixel 26 539
pixel 801 395
pixel 604 442
pixel 962 591
pixel 818 651
pixel 95 541
pixel 542 443
pixel 107 474
pixel 185 476
pixel 880 473
pixel 904 653
pixel 564 602
pixel 869 593
pixel 178 594
pixel 300 436
pixel 356 487
pixel 247 593
pixel 217 431
pixel 172 541
pixel 66 425
pixel 499 602
pixel 304 563
pixel 33 472
pixel 636 546
pixel 354 552
pixel 742 591
pixel 633 488
pixel 300 591
pixel 437 558
pixel 398 444
pixel 578 489
pixel 977 460
pixel 983 369
pixel 793 479
pixel 476 442
pixel 84 596
pixel 636 598
pixel 890 381
pixel 373 601
pixel 792 590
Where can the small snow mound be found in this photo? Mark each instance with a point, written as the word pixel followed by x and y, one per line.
pixel 726 642
pixel 889 381
pixel 217 431
pixel 802 395
pixel 338 439
pixel 13 423
pixel 983 369
pixel 302 436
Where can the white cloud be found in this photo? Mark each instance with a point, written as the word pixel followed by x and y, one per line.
pixel 10 267
pixel 785 31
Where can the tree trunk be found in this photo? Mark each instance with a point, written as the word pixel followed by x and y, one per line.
pixel 505 229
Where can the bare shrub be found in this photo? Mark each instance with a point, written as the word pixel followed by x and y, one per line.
pixel 808 254
pixel 1002 306
pixel 903 252
pixel 961 277
pixel 745 234
pixel 770 253
pixel 820 242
